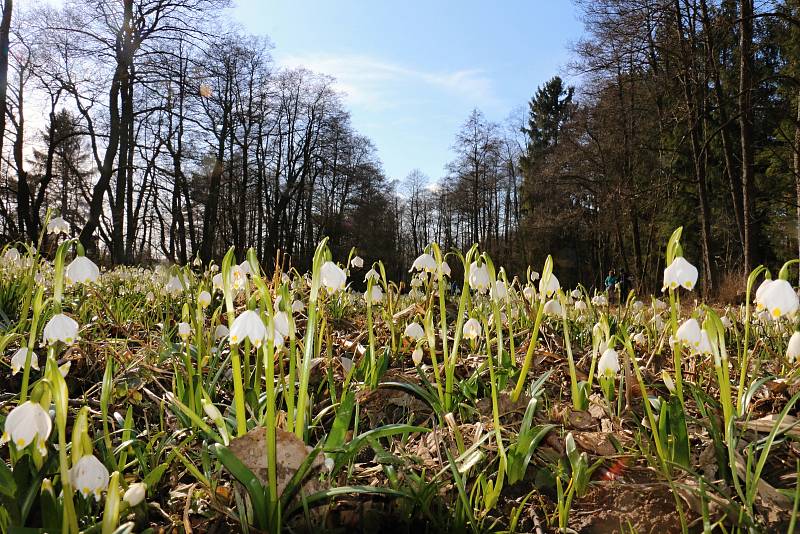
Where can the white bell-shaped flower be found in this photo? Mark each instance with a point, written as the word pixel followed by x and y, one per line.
pixel 18 360
pixel 680 273
pixel 534 276
pixel 220 332
pixel 372 274
pixel 250 326
pixel 552 307
pixel 204 299
pixel 27 423
pixel 184 330
pixel 640 339
pixel 690 334
pixel 600 300
pixel 608 365
pixel 637 306
pixel 58 225
pixel 552 285
pixel 580 306
pixel 416 356
pixel 298 306
pixel 414 331
pixel 793 349
pixel 81 270
pixel 135 494
pixel 281 323
pixel 726 323
pixel 575 293
pixel 175 285
pixel 60 328
pixel 357 262
pixel 472 329
pixel 762 288
pixel 529 292
pixel 779 299
pixel 479 277
pixel 445 268
pixel 333 277
pixel 216 282
pixel 89 476
pixel 424 262
pixel 499 290
pixel 375 295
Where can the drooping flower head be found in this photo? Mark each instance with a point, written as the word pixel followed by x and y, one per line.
pixel 680 273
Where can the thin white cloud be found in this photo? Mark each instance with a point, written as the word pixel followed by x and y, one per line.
pixel 375 84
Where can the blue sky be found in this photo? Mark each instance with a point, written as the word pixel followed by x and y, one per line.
pixel 412 71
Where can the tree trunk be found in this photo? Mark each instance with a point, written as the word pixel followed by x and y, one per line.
pixel 5 29
pixel 746 126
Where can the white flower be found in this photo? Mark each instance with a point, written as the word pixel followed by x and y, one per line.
pixel 60 328
pixel 680 273
pixel 529 292
pixel 220 332
pixel 575 293
pixel 637 306
pixel 705 344
pixel 424 262
pixel 552 307
pixel 333 277
pixel 58 225
pixel 779 298
pixel 416 356
pixel 580 305
pixel 184 330
pixel 372 274
pixel 18 360
pixel 216 281
pixel 280 322
pixel 534 276
pixel 640 339
pixel 660 305
pixel 298 306
pixel 479 277
pixel 726 323
pixel 608 365
pixel 27 423
pixel 552 285
pixel 689 333
pixel 600 300
pixel 414 331
pixel 175 285
pixel 89 476
pixel 245 269
pixel 793 349
pixel 248 325
pixel 472 329
pixel 445 268
pixel 238 275
pixel 357 262
pixel 11 256
pixel 135 494
pixel 204 299
pixel 760 294
pixel 658 322
pixel 499 290
pixel 376 295
pixel 82 270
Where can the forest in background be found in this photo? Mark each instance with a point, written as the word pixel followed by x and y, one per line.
pixel 168 133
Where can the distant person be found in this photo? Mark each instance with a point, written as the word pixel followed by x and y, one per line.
pixel 611 280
